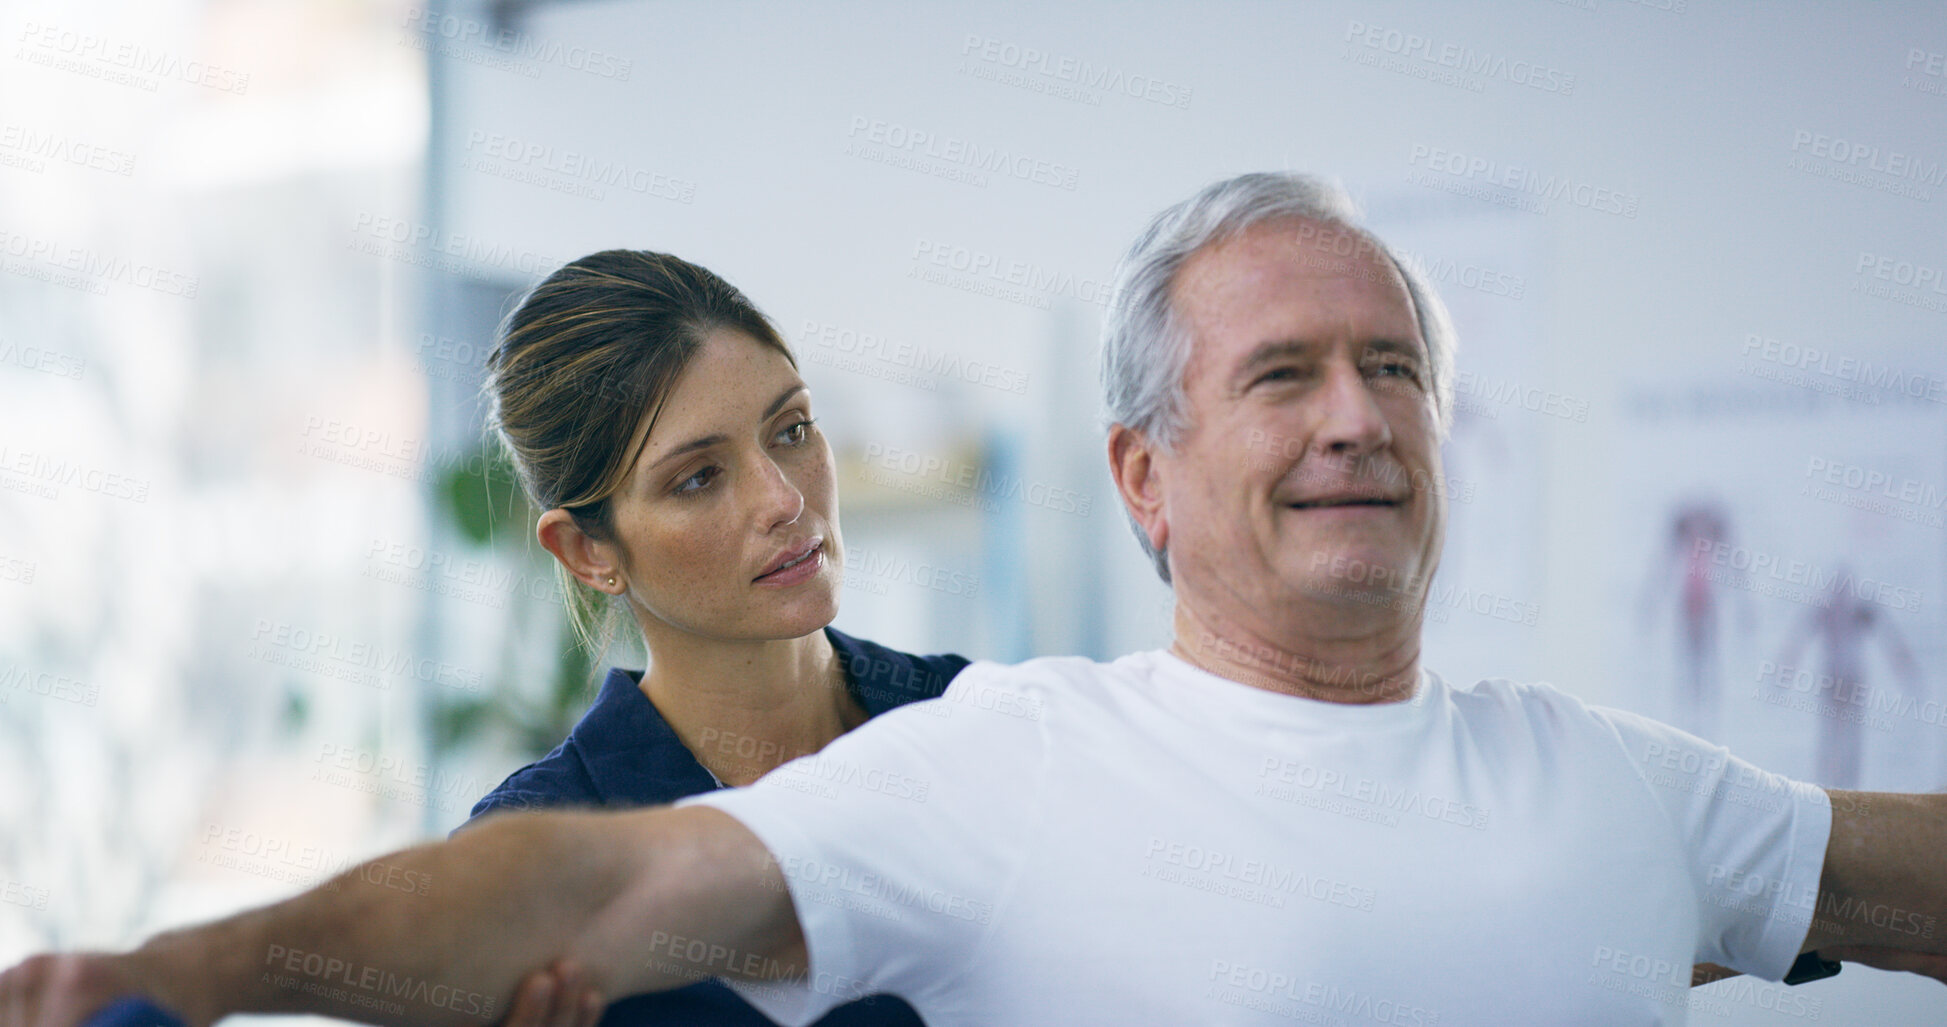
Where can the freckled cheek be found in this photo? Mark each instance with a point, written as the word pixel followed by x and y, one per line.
pixel 821 495
pixel 686 551
pixel 817 482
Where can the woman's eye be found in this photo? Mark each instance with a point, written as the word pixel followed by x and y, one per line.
pixel 796 434
pixel 697 481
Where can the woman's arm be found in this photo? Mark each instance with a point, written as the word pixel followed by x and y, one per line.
pixel 637 901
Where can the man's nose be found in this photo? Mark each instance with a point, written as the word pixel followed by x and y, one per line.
pixel 1350 423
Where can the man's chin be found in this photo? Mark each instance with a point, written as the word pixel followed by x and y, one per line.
pixel 1355 576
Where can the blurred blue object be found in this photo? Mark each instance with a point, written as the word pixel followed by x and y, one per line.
pixel 133 1012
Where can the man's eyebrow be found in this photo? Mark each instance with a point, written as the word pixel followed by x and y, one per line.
pixel 718 439
pixel 1267 352
pixel 1405 347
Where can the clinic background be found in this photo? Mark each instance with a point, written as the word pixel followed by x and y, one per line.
pixel 268 606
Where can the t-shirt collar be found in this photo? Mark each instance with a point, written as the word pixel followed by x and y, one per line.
pixel 1215 688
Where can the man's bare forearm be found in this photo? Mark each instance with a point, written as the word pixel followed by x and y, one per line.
pixel 1883 883
pixel 1882 894
pixel 439 934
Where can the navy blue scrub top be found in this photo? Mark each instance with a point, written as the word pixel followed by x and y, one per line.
pixel 623 754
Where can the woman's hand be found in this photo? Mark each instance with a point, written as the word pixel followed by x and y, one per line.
pixel 555 996
pixel 64 989
pixel 1705 973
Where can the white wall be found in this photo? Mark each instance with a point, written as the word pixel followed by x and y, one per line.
pixel 1692 113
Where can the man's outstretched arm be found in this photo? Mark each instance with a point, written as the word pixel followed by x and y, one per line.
pixel 442 933
pixel 1882 896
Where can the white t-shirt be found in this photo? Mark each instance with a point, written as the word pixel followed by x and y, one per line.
pixel 1143 842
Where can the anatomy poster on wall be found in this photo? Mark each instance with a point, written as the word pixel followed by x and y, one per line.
pixel 1781 558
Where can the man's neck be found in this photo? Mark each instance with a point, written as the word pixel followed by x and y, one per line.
pixel 1358 670
pixel 743 708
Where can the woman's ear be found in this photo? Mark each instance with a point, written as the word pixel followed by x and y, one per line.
pixel 593 562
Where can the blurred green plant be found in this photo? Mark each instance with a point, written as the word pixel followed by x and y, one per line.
pixel 482 499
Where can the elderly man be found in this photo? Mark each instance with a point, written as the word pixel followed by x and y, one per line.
pixel 1281 816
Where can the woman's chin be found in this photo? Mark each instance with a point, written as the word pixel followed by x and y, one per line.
pixel 811 610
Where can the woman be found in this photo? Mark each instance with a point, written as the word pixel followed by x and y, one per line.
pixel 658 418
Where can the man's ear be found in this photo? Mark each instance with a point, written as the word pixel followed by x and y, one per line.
pixel 1138 478
pixel 591 561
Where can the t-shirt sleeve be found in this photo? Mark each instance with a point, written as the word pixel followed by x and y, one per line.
pixel 1755 842
pixel 900 839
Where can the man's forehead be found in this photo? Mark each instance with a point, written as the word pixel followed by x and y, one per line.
pixel 1292 267
pixel 1296 247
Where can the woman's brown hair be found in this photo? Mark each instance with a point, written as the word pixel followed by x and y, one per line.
pixel 579 372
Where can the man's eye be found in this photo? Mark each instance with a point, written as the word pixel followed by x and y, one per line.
pixel 1278 374
pixel 1400 369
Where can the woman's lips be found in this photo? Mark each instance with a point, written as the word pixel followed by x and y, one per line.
pixel 792 573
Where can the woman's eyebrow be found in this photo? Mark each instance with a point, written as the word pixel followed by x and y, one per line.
pixel 712 440
pixel 783 398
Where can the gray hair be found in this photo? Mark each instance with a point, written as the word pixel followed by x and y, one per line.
pixel 1146 346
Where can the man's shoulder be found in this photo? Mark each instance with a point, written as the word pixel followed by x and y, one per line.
pixel 1509 693
pixel 1050 672
pixel 1539 706
pixel 1550 703
pixel 1571 727
pixel 1047 680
